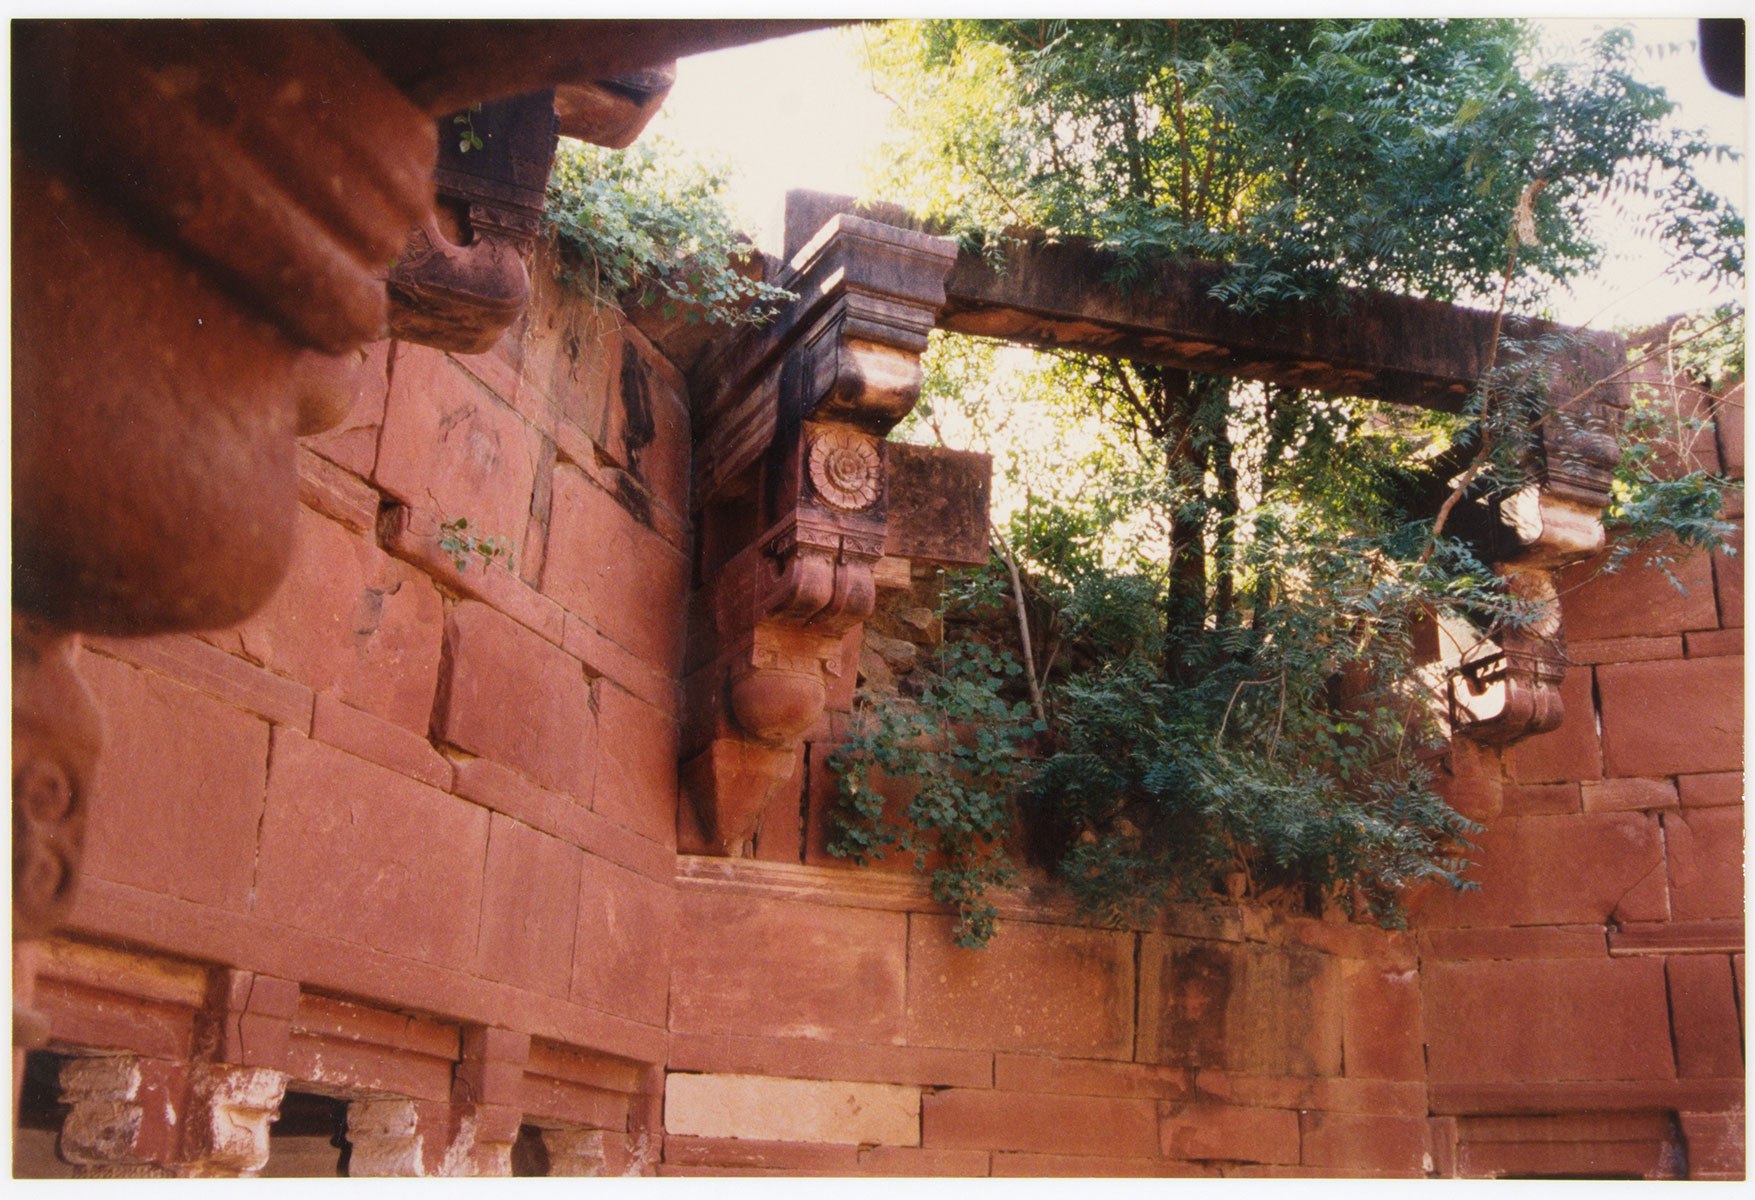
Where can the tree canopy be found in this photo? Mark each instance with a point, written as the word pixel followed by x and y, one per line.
pixel 1225 606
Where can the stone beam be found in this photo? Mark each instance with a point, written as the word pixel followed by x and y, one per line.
pixel 1062 293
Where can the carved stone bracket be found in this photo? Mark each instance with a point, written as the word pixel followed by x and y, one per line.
pixel 461 281
pixel 1509 689
pixel 792 476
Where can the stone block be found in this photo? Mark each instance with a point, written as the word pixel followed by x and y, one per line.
pixel 1265 1010
pixel 780 836
pixel 353 443
pixel 622 948
pixel 1534 941
pixel 1703 1016
pixel 450 449
pixel 1717 1144
pixel 1570 753
pixel 815 1058
pixel 209 669
pixel 1727 576
pixel 1367 1144
pixel 353 851
pixel 646 427
pixel 1024 1165
pixel 1538 799
pixel 1639 599
pixel 1382 1035
pixel 1626 649
pixel 508 695
pixel 351 620
pixel 1051 989
pixel 918 1163
pixel 614 572
pixel 1084 1077
pixel 179 790
pixel 338 495
pixel 963 1119
pixel 529 908
pixel 1547 1019
pixel 1629 795
pixel 758 1156
pixel 791 1110
pixel 1714 643
pixel 1661 718
pixel 359 732
pixel 1230 1133
pixel 1711 790
pixel 1613 864
pixel 1727 413
pixel 1705 848
pixel 636 765
pixel 783 968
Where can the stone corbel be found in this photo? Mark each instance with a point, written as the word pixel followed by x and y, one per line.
pixel 793 438
pixel 1509 689
pixel 461 281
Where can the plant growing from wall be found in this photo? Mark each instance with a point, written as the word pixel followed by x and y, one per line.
pixel 647 228
pixel 1228 598
pixel 458 542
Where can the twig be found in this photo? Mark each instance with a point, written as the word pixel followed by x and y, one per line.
pixel 1011 566
pixel 1236 692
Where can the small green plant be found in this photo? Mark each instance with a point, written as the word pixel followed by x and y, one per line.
pixel 953 761
pixel 467 138
pixel 459 543
pixel 647 228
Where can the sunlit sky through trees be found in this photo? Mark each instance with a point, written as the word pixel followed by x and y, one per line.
pixel 800 112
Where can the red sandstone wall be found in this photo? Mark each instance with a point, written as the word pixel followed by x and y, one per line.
pixel 1600 967
pixel 411 789
pixel 443 791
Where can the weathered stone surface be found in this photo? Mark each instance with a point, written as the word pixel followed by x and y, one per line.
pixel 593 541
pixel 352 442
pixel 1239 1007
pixel 347 850
pixel 938 504
pixel 508 695
pixel 1703 1016
pixel 624 941
pixel 1083 1077
pixel 450 449
pixel 815 1058
pixel 1363 1143
pixel 1547 1019
pixel 1711 790
pixel 785 969
pixel 179 791
pixel 967 1119
pixel 1211 1131
pixel 791 1110
pixel 357 732
pixel 1660 718
pixel 1705 848
pixel 636 765
pixel 230 1109
pixel 530 904
pixel 122 1113
pixel 1382 1034
pixel 1612 795
pixel 1615 867
pixel 1050 989
pixel 1717 1144
pixel 352 620
pixel 1638 600
pixel 1570 753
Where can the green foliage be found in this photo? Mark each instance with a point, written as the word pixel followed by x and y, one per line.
pixel 1230 589
pixel 651 229
pixel 459 543
pixel 1304 154
pixel 958 755
pixel 467 138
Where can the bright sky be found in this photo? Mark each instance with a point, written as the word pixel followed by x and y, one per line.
pixel 799 112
